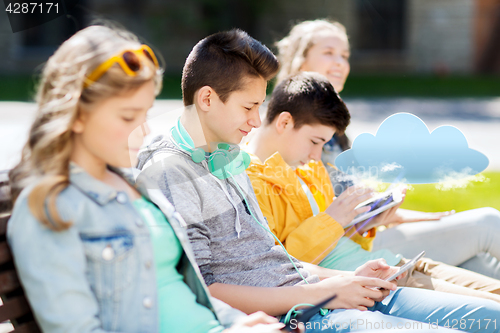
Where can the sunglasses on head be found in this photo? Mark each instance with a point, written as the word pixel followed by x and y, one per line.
pixel 129 61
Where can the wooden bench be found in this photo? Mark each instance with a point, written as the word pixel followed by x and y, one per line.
pixel 15 307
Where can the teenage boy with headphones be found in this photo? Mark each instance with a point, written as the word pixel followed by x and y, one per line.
pixel 296 195
pixel 200 169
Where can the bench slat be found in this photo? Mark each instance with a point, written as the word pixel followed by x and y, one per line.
pixel 14 308
pixel 5 200
pixel 4 176
pixel 29 327
pixel 4 193
pixel 5 206
pixel 5 255
pixel 9 281
pixel 5 197
pixel 3 224
pixel 17 308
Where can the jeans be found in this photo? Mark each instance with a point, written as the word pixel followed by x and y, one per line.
pixel 469 239
pixel 414 310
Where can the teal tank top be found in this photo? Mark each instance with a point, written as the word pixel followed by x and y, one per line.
pixel 177 307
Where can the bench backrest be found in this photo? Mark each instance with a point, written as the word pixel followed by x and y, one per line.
pixel 15 306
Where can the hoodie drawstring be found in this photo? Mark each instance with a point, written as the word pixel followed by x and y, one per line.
pixel 237 224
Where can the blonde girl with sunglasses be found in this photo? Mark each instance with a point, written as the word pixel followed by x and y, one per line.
pixel 95 249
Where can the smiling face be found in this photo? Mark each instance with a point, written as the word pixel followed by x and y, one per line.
pixel 329 56
pixel 231 121
pixel 298 146
pixel 114 129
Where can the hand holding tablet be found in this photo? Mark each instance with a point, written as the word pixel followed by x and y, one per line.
pixel 378 203
pixel 406 267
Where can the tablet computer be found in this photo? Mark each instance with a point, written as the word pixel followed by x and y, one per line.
pixel 379 203
pixel 406 267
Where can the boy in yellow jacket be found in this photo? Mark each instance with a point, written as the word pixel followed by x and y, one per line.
pixel 296 196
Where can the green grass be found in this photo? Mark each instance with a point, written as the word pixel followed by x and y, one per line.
pixel 421 86
pixel 21 87
pixel 17 88
pixel 477 194
pixel 171 87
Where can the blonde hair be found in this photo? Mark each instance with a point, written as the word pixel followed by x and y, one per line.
pixel 61 97
pixel 292 50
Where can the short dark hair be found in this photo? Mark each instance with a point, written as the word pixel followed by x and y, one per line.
pixel 222 60
pixel 311 99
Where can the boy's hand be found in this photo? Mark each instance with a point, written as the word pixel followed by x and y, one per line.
pixel 387 217
pixel 384 218
pixel 378 269
pixel 353 292
pixel 342 208
pixel 408 216
pixel 396 216
pixel 257 322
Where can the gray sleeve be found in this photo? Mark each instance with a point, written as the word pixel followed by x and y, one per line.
pixel 179 186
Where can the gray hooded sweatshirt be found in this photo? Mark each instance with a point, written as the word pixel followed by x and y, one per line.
pixel 229 245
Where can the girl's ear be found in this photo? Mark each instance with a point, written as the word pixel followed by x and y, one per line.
pixel 204 97
pixel 79 124
pixel 284 121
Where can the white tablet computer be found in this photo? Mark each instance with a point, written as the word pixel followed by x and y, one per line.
pixel 406 267
pixel 379 203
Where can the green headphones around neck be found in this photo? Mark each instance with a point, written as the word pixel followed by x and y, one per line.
pixel 227 160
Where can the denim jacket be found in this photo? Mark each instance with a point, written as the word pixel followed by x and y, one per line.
pixel 98 275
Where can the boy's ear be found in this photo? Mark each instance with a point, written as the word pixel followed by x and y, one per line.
pixel 204 97
pixel 283 122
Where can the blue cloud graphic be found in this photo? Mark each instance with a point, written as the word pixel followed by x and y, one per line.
pixel 403 150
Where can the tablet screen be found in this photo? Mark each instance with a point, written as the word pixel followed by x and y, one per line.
pixel 378 203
